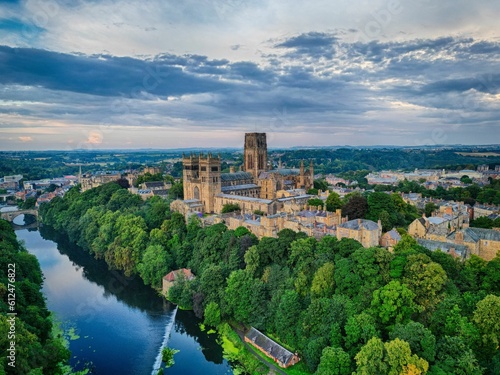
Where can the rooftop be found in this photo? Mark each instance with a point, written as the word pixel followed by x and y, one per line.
pixel 246 199
pixel 272 348
pixel 239 187
pixel 236 176
pixel 357 224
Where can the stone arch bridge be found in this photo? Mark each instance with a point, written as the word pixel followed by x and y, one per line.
pixel 11 215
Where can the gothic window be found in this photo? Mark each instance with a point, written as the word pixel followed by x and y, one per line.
pixel 196 192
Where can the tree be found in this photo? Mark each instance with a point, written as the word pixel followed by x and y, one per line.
pixel 430 208
pixel 176 191
pixel 359 329
pixel 316 202
pixel 426 279
pixel 28 204
pixel 230 207
pixel 393 303
pixel 156 263
pixel 321 185
pixel 392 358
pixel 399 358
pixel 212 314
pixel 323 281
pixel 244 297
pixel 466 179
pixel 370 359
pixel 454 357
pixel 333 202
pixel 487 319
pixel 356 207
pixel 289 309
pixel 421 340
pixel 334 361
pixel 482 222
pixel 312 352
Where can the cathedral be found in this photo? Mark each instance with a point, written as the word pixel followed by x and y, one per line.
pixel 254 188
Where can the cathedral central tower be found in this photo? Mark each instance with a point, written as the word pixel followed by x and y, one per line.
pixel 255 155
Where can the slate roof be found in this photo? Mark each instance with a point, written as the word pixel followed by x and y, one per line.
pixel 154 184
pixel 356 224
pixel 239 187
pixel 286 172
pixel 160 192
pixel 484 234
pixel 393 233
pixel 304 196
pixel 235 176
pixel 436 220
pixel 444 246
pixel 242 198
pixel 272 348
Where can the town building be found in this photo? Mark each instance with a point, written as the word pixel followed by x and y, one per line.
pixel 283 357
pixel 366 232
pixel 97 179
pixel 390 239
pixel 169 279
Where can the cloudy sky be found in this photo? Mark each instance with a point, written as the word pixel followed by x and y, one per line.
pixel 101 74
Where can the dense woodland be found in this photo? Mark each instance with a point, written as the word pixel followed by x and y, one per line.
pixel 37 350
pixel 342 307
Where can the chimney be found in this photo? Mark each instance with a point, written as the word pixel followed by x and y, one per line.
pixel 459 237
pixel 231 169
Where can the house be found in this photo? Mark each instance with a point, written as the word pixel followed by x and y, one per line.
pixel 455 250
pixel 390 239
pixel 169 278
pixel 484 243
pixel 283 357
pixel 366 232
pixel 156 185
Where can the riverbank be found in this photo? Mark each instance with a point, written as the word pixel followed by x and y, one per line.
pixel 117 323
pixel 27 329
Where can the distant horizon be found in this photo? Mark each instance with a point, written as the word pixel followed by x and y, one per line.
pixel 493 145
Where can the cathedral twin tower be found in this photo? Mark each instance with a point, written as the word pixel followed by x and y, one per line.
pixel 204 183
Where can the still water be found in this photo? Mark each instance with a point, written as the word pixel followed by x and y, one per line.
pixel 117 325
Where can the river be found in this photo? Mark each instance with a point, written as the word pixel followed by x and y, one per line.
pixel 117 325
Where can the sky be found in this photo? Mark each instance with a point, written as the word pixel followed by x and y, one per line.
pixel 115 74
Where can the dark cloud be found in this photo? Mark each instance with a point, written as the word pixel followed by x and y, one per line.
pixel 101 74
pixel 311 44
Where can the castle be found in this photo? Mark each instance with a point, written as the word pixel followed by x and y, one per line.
pixel 254 188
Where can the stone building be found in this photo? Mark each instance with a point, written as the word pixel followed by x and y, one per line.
pixel 97 179
pixel 390 239
pixel 484 243
pixel 366 232
pixel 202 179
pixel 283 357
pixel 169 279
pixel 254 189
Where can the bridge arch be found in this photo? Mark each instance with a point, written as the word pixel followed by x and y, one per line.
pixel 11 215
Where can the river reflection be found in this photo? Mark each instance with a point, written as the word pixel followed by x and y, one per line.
pixel 116 324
